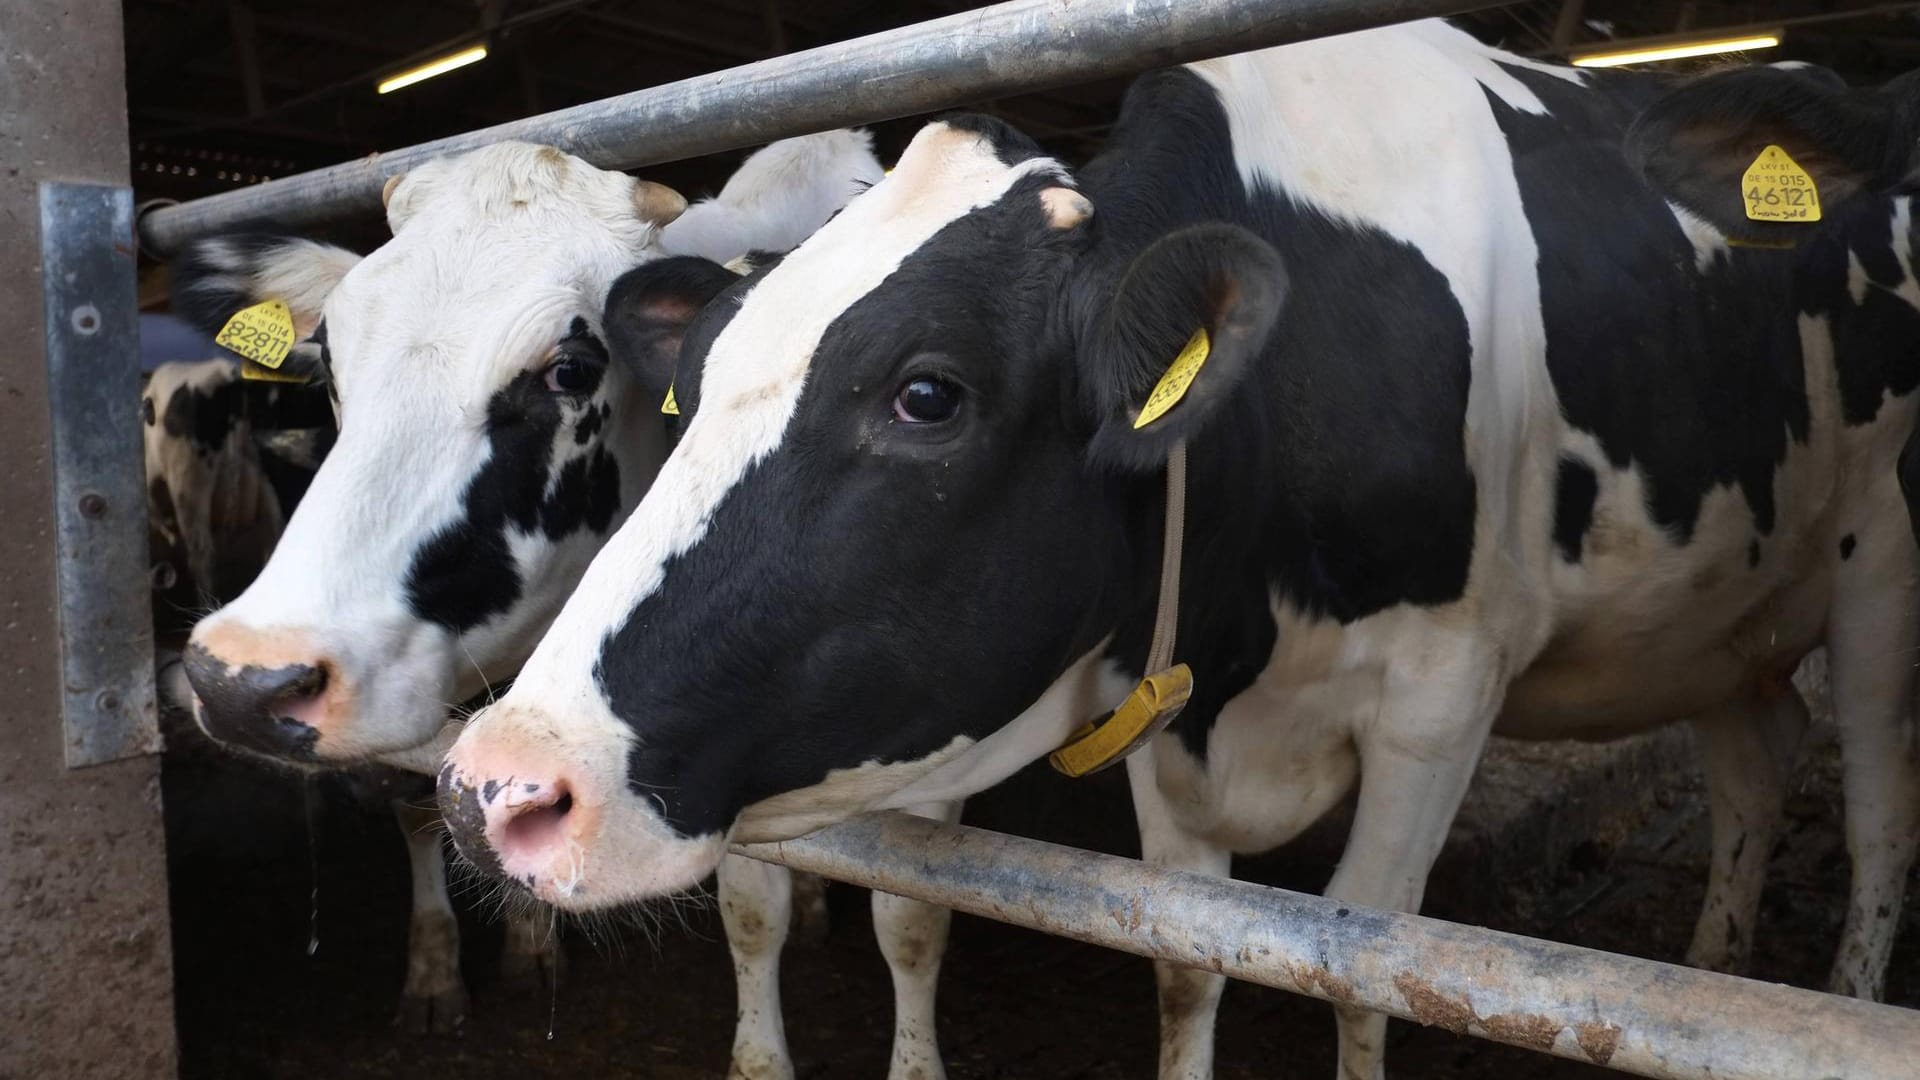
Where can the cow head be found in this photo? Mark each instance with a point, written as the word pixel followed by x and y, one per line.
pixel 1696 143
pixel 485 447
pixel 208 495
pixel 908 506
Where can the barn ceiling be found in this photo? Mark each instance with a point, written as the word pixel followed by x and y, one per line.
pixel 224 93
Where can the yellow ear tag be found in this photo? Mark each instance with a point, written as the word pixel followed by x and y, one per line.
pixel 1150 708
pixel 262 333
pixel 670 407
pixel 255 373
pixel 1776 188
pixel 1173 385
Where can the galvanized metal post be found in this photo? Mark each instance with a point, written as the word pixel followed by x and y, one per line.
pixel 99 491
pixel 1014 47
pixel 1637 1016
pixel 85 959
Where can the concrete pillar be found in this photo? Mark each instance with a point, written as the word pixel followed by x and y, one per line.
pixel 86 965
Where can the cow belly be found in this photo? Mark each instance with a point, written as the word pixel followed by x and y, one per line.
pixel 1598 701
pixel 1653 623
pixel 1683 637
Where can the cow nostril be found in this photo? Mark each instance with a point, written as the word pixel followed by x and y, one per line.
pixel 311 682
pixel 533 827
pixel 278 710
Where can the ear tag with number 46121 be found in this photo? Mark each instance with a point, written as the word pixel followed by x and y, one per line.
pixel 1173 385
pixel 1776 188
pixel 262 333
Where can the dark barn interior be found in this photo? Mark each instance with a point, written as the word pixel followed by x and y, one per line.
pixel 240 92
pixel 225 94
pixel 289 895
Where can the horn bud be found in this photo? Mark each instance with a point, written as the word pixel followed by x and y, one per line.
pixel 1065 207
pixel 657 204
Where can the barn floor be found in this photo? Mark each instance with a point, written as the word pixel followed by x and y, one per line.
pixel 1016 1004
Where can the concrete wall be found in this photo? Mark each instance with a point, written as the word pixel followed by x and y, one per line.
pixel 86 969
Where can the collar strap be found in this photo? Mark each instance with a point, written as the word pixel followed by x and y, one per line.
pixel 1165 690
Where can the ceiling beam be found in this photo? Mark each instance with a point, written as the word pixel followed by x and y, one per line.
pixel 776 30
pixel 1566 25
pixel 147 116
pixel 240 19
pixel 652 33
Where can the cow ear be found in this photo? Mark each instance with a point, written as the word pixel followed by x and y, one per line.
pixel 1697 143
pixel 1175 341
pixel 217 276
pixel 648 312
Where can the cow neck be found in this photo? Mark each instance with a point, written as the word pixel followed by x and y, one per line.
pixel 1167 686
pixel 1141 187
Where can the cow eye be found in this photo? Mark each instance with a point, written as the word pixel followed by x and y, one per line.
pixel 571 373
pixel 926 401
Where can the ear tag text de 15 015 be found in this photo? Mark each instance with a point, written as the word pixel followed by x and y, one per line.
pixel 1146 712
pixel 1173 385
pixel 262 333
pixel 1776 188
pixel 670 407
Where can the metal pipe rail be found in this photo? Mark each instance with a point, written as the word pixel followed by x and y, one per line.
pixel 1637 1016
pixel 1009 48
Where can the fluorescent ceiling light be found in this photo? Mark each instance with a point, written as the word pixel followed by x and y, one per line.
pixel 434 67
pixel 1677 50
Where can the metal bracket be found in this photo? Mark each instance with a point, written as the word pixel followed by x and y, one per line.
pixel 99 488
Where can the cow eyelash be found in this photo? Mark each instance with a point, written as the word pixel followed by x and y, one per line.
pixel 572 369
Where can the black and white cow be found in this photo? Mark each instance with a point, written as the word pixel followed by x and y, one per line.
pixel 1856 287
pixel 225 460
pixel 1524 446
pixel 486 451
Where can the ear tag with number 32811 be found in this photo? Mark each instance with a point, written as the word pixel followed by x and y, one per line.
pixel 1776 188
pixel 1173 385
pixel 262 333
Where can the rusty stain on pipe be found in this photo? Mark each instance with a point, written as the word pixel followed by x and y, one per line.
pixel 1637 1016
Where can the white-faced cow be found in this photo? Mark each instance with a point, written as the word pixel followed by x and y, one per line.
pixel 486 450
pixel 1523 447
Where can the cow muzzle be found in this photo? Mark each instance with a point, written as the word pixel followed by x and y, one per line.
pixel 558 819
pixel 273 698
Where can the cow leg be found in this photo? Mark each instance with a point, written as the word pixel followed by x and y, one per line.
pixel 811 920
pixel 756 906
pixel 1748 749
pixel 913 938
pixel 1189 997
pixel 1416 759
pixel 434 1001
pixel 531 958
pixel 1871 644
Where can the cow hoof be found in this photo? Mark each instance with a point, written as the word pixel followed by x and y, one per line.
pixel 532 969
pixel 439 1013
pixel 760 1066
